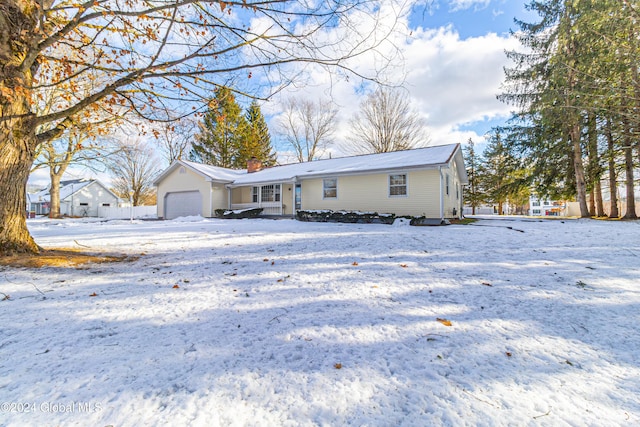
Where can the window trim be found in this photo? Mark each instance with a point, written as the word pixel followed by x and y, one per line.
pixel 405 185
pixel 325 188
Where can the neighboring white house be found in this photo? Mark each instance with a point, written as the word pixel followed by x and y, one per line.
pixel 546 207
pixel 421 182
pixel 79 197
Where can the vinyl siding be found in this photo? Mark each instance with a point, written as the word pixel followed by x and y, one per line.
pixel 452 200
pixel 370 193
pixel 191 181
pixel 92 195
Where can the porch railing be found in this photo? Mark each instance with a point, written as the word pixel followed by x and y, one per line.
pixel 268 208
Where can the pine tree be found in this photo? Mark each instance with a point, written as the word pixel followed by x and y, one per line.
pixel 501 174
pixel 473 195
pixel 257 141
pixel 222 133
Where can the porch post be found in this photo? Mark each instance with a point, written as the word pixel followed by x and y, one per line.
pixel 293 199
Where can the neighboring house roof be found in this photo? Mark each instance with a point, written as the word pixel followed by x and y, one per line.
pixel 210 173
pixel 67 188
pixel 420 158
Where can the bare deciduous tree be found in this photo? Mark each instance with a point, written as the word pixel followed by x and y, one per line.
pixel 386 123
pixel 134 169
pixel 148 57
pixel 174 139
pixel 308 127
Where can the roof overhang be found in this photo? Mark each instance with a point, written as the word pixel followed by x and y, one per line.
pixel 180 163
pixel 324 174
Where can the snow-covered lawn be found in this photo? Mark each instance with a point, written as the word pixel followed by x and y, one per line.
pixel 262 322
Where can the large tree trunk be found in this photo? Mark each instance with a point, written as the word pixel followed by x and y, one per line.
pixel 613 175
pixel 581 187
pixel 596 205
pixel 628 160
pixel 631 201
pixel 54 195
pixel 18 19
pixel 599 200
pixel 16 156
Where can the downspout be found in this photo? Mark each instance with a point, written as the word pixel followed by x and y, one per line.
pixel 441 193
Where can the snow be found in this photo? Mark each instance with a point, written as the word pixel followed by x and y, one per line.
pixel 215 172
pixel 544 325
pixel 417 158
pixel 67 188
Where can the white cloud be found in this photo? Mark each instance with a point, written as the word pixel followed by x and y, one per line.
pixel 452 82
pixel 455 81
pixel 456 5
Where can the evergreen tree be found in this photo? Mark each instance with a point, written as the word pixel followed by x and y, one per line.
pixel 577 85
pixel 222 133
pixel 473 195
pixel 257 142
pixel 501 175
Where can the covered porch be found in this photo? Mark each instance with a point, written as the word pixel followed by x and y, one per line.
pixel 275 199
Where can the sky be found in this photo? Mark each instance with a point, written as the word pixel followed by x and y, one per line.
pixel 454 57
pixel 450 62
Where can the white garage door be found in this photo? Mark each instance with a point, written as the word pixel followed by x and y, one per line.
pixel 184 203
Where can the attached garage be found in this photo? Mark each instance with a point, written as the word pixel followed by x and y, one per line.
pixel 182 203
pixel 189 189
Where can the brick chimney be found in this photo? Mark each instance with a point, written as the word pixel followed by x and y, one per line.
pixel 253 165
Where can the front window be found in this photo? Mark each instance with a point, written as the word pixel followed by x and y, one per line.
pixel 330 188
pixel 267 193
pixel 398 185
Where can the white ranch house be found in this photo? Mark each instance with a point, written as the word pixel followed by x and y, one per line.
pixel 421 182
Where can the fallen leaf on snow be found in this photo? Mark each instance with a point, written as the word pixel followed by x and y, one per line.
pixel 93 295
pixel 445 322
pixel 487 284
pixel 266 260
pixel 403 265
pixel 354 263
pixel 508 353
pixel 176 287
pixel 338 366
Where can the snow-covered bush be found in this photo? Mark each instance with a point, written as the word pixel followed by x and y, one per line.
pixel 344 216
pixel 238 213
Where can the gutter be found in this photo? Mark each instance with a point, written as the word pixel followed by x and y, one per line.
pixel 322 174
